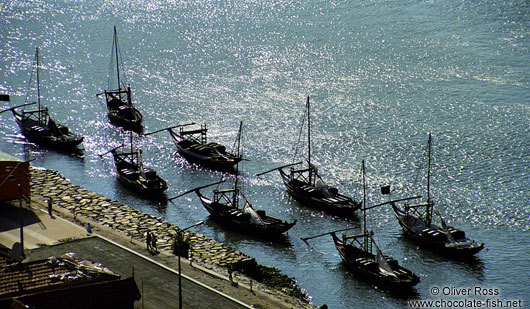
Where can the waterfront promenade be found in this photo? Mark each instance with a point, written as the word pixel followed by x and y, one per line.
pixel 155 274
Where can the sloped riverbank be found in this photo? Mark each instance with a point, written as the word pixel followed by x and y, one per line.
pixel 205 252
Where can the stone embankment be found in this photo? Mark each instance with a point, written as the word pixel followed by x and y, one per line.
pixel 208 253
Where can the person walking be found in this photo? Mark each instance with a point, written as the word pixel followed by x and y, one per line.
pixel 148 241
pixel 153 242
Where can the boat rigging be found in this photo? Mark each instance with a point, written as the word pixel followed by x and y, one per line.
pixel 38 126
pixel 120 108
pixel 225 208
pixel 308 188
pixel 418 223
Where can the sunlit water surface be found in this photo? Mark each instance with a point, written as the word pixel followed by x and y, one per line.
pixel 381 75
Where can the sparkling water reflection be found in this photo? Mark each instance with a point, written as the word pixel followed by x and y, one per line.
pixel 381 75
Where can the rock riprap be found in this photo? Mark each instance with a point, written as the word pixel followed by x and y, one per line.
pixel 46 184
pixel 208 253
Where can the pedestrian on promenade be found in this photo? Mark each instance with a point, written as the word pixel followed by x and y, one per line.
pixel 89 228
pixel 148 241
pixel 189 255
pixel 153 242
pixel 50 207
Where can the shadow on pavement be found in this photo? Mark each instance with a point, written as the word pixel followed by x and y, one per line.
pixel 10 217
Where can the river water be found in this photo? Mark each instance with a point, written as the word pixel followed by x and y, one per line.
pixel 381 75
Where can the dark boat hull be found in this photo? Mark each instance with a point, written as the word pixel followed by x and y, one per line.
pixel 234 218
pixel 205 155
pixel 364 266
pixel 59 138
pixel 435 239
pixel 134 125
pixel 129 175
pixel 340 205
pixel 151 191
pixel 123 115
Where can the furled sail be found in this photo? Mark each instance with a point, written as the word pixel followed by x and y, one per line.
pixel 384 267
pixel 254 217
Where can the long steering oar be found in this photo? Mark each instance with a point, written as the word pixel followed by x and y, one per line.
pixel 195 189
pixel 393 201
pixel 277 168
pixel 324 234
pixel 101 155
pixel 169 128
pixel 12 108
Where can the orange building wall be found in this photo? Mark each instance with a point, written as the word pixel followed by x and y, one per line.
pixel 10 178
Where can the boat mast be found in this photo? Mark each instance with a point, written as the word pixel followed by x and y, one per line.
pixel 38 84
pixel 131 140
pixel 129 100
pixel 309 142
pixel 132 151
pixel 364 208
pixel 235 201
pixel 429 206
pixel 117 62
pixel 429 172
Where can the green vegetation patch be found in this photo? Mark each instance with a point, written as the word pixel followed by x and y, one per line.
pixel 273 278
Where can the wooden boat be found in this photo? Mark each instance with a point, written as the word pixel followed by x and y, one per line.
pixel 134 175
pixel 246 219
pixel 307 187
pixel 39 127
pixel 120 108
pixel 378 269
pixel 224 208
pixel 417 221
pixel 194 147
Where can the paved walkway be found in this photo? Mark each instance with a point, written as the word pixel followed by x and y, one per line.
pixel 46 235
pixel 157 284
pixel 39 227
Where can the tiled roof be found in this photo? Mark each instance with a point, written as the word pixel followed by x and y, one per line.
pixel 22 278
pixel 109 294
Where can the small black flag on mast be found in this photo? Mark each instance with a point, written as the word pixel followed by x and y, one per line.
pixel 385 190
